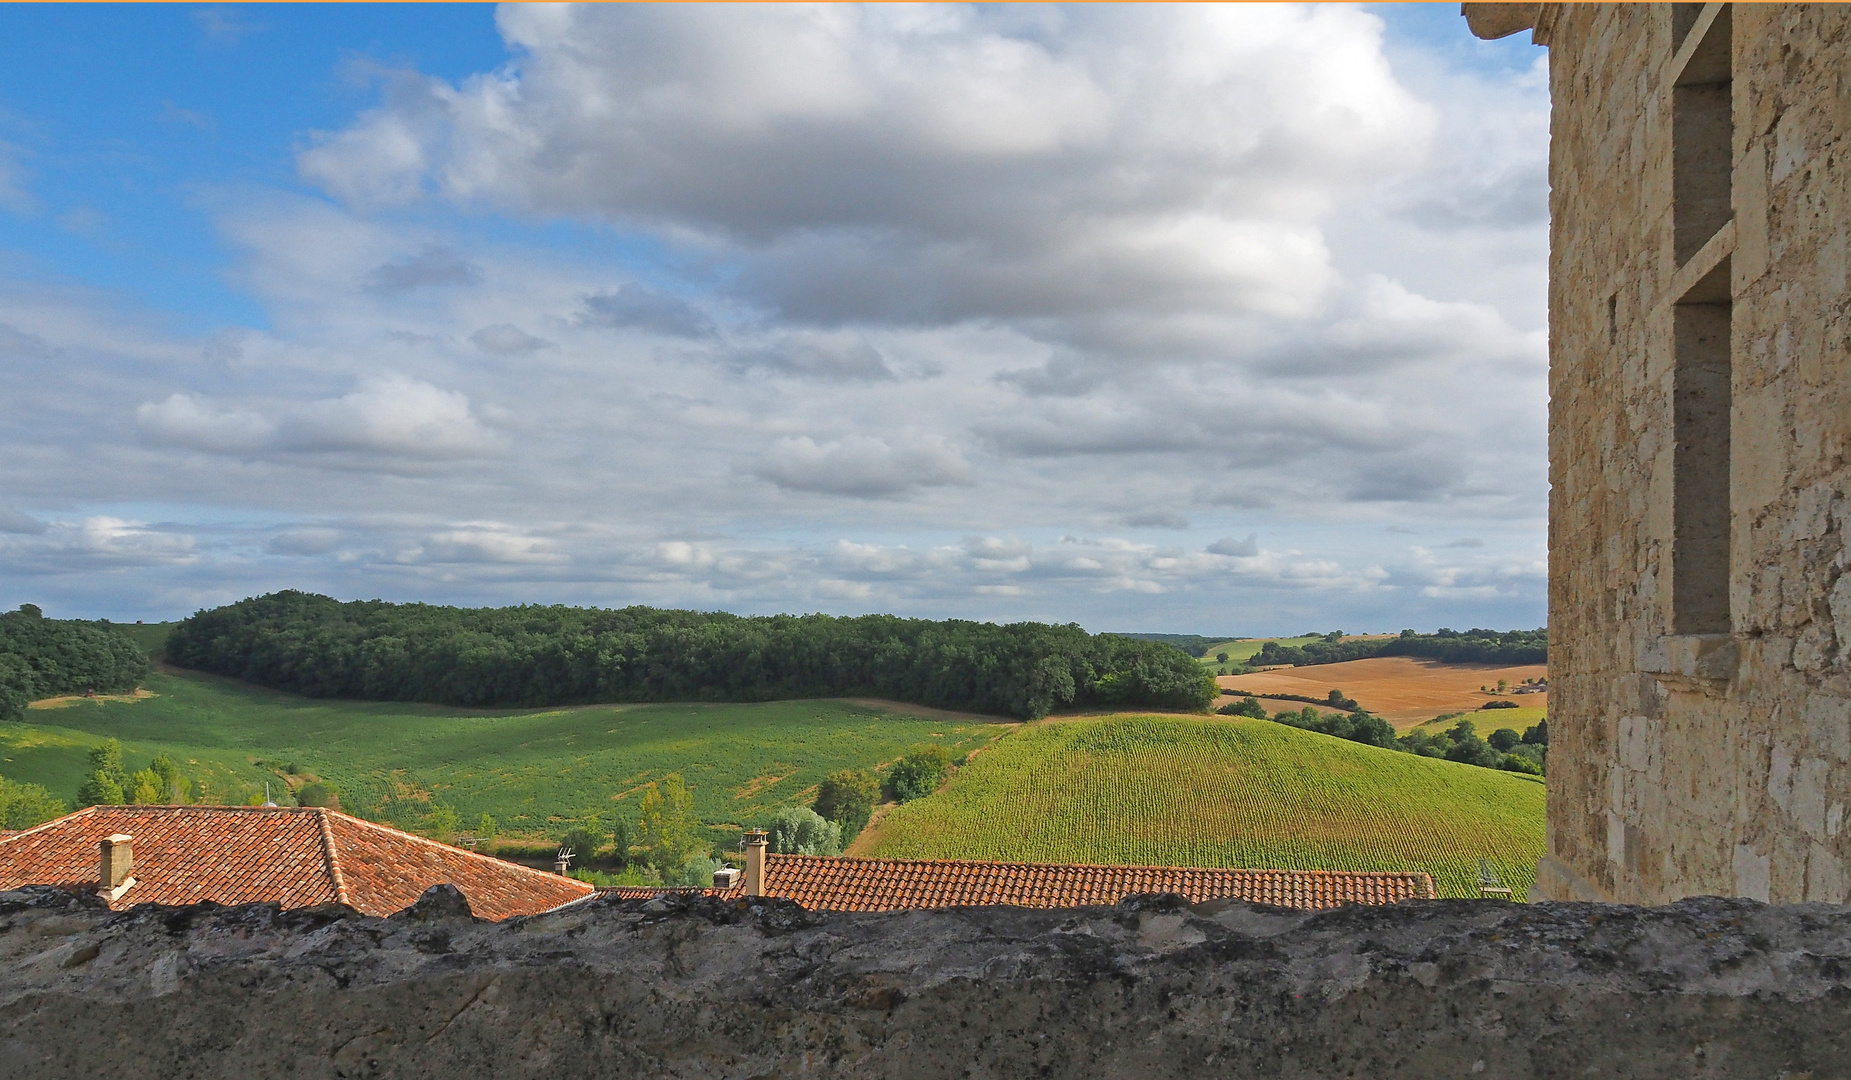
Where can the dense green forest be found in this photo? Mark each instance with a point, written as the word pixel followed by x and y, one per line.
pixel 1193 644
pixel 41 658
pixel 1453 646
pixel 533 656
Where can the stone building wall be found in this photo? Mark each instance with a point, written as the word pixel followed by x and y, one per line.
pixel 1700 418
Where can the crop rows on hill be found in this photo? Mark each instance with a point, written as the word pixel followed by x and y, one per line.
pixel 1236 793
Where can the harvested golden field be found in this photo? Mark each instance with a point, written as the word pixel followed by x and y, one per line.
pixel 1404 690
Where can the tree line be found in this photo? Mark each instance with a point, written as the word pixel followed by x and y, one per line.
pixel 662 844
pixel 41 658
pixel 1475 646
pixel 1505 748
pixel 553 655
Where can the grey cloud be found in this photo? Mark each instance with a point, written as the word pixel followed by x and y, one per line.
pixel 842 357
pixel 307 540
pixel 1509 200
pixel 506 339
pixel 17 342
pixel 860 466
pixel 1245 549
pixel 1466 542
pixel 633 306
pixel 12 521
pixel 1405 478
pixel 432 267
pixel 96 542
pixel 1156 519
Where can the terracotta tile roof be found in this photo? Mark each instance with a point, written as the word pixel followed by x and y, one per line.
pixel 295 856
pixel 836 884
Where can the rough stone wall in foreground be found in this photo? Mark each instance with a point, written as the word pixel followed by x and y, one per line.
pixel 1687 758
pixel 708 988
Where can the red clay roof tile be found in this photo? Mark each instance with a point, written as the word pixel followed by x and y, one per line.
pixel 295 856
pixel 837 884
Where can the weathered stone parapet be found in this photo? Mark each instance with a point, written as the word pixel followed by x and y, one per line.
pixel 704 988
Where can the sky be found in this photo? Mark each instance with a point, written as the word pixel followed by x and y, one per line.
pixel 1194 319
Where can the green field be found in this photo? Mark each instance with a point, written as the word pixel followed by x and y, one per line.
pixel 1227 792
pixel 1243 649
pixel 535 770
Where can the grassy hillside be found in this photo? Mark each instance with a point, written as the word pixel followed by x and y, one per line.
pixel 1224 792
pixel 534 770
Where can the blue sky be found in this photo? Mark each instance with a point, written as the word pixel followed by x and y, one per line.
pixel 1147 318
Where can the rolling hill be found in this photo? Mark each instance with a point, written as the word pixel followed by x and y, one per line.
pixel 535 770
pixel 1179 791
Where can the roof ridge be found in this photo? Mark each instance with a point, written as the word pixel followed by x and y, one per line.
pixel 1105 866
pixel 334 857
pixel 453 850
pixel 91 810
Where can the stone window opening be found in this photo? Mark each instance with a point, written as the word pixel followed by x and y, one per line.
pixel 1702 377
pixel 1702 132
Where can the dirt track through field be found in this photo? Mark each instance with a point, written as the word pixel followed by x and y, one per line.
pixel 1404 690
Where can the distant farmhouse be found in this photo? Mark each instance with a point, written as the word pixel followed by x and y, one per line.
pixel 1699 448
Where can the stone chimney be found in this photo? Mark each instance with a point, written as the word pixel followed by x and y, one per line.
pixel 725 878
pixel 755 862
pixel 115 859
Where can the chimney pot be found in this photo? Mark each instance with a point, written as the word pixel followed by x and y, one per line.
pixel 755 862
pixel 116 858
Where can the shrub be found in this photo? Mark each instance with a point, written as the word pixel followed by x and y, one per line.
pixel 441 823
pixel 797 831
pixel 316 793
pixel 1535 755
pixel 1498 705
pixel 1519 763
pixel 1247 706
pixel 919 773
pixel 622 840
pixel 665 824
pixel 1473 750
pixel 695 873
pixel 586 840
pixel 1503 739
pixel 1425 744
pixel 108 782
pixel 847 798
pixel 1221 658
pixel 25 805
pixel 175 789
